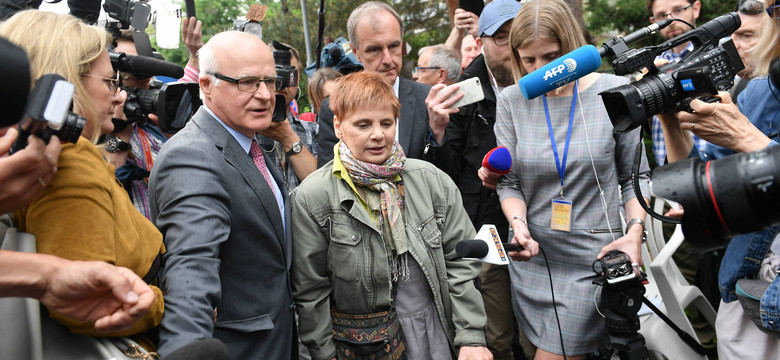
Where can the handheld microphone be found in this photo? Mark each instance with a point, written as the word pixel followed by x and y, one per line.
pixel 206 349
pixel 478 249
pixel 498 161
pixel 145 66
pixel 487 247
pixel 560 72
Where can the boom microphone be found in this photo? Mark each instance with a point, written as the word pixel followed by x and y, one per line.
pixel 560 72
pixel 498 160
pixel 144 67
pixel 206 349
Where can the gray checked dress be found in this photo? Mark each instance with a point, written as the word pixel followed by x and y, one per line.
pixel 521 126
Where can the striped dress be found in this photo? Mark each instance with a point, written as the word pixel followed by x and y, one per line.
pixel 521 127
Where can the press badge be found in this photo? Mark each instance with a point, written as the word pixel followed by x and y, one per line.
pixel 561 215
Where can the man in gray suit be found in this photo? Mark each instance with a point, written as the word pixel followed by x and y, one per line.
pixel 376 37
pixel 222 212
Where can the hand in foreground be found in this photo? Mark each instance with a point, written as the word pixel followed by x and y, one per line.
pixel 112 297
pixel 439 100
pixel 24 174
pixel 489 178
pixel 474 352
pixel 630 244
pixel 466 20
pixel 192 35
pixel 723 124
pixel 523 237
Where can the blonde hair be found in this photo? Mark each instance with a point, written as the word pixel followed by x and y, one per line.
pixel 60 44
pixel 543 19
pixel 767 48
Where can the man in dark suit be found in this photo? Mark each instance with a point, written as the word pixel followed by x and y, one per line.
pixel 223 212
pixel 375 36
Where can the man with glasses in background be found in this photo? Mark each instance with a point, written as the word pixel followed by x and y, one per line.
pixel 751 14
pixel 437 64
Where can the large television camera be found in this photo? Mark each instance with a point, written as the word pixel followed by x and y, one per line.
pixel 46 111
pixel 173 103
pixel 710 67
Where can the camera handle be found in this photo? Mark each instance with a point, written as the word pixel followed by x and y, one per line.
pixel 638 191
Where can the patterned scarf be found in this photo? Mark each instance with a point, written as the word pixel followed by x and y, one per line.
pixel 379 177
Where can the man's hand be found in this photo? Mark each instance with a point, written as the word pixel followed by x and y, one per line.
pixel 24 174
pixel 192 37
pixel 282 132
pixel 439 110
pixel 466 20
pixel 112 297
pixel 489 179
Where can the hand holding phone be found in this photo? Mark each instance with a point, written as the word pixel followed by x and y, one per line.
pixel 472 88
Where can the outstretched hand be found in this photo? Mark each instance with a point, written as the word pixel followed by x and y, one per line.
pixel 111 297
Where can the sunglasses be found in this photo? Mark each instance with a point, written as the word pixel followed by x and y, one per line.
pixel 750 7
pixel 774 11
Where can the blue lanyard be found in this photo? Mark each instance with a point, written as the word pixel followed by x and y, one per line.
pixel 561 165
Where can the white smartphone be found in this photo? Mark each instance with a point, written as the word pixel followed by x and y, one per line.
pixel 472 88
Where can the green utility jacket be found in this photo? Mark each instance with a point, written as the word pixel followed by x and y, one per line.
pixel 340 258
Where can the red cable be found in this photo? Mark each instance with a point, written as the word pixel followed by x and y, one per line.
pixel 712 198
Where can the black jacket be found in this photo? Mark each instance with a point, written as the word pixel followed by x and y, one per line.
pixel 469 136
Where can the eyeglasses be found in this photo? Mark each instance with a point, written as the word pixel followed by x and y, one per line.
pixel 113 83
pixel 675 14
pixel 750 7
pixel 251 84
pixel 500 39
pixel 418 68
pixel 774 11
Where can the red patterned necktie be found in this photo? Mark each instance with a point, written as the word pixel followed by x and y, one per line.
pixel 259 159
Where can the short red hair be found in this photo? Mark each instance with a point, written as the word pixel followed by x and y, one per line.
pixel 362 90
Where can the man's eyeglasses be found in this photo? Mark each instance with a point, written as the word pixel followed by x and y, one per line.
pixel 112 83
pixel 419 68
pixel 675 14
pixel 750 7
pixel 774 11
pixel 251 84
pixel 500 39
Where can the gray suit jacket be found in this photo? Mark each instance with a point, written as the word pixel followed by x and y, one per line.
pixel 226 245
pixel 413 123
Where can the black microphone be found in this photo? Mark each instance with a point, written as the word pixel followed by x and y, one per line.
pixel 144 66
pixel 618 44
pixel 207 349
pixel 478 248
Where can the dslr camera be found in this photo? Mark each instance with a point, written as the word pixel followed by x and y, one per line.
pixel 286 76
pixel 710 67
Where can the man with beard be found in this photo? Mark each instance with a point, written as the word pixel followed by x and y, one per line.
pixel 469 136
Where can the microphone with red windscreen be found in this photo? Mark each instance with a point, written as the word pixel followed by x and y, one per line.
pixel 498 160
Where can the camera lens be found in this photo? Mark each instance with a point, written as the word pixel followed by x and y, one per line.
pixel 71 128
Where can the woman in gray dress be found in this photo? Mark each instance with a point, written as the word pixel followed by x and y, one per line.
pixel 564 154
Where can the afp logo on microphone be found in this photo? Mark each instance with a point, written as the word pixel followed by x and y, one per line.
pixel 568 64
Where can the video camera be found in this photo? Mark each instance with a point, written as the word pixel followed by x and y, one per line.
pixel 129 13
pixel 710 67
pixel 173 103
pixel 46 111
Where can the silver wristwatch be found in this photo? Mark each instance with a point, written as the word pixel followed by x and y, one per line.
pixel 296 148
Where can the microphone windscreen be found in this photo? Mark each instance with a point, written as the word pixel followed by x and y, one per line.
pixel 472 249
pixel 207 349
pixel 15 78
pixel 151 66
pixel 560 71
pixel 498 160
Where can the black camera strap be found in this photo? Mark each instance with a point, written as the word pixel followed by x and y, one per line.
pixel 638 190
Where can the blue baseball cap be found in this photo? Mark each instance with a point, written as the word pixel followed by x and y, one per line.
pixel 496 14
